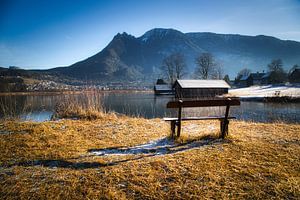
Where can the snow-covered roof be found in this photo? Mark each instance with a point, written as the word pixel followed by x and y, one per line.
pixel 257 76
pixel 203 84
pixel 162 87
pixel 244 77
pixel 266 75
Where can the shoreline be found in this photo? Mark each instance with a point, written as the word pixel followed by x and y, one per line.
pixel 265 99
pixel 70 92
pixel 274 99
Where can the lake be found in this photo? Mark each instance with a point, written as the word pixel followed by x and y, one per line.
pixel 143 104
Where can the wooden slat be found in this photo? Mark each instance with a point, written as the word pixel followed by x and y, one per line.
pixel 204 103
pixel 196 118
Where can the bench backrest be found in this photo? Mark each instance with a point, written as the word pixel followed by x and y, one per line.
pixel 204 103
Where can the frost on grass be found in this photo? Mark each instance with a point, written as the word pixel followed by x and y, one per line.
pixel 156 147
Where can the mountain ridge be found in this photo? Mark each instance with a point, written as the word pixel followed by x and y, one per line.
pixel 130 58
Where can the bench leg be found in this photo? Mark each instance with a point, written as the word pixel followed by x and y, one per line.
pixel 178 128
pixel 179 119
pixel 173 129
pixel 224 127
pixel 221 125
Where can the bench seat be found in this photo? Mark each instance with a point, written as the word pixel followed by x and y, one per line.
pixel 197 118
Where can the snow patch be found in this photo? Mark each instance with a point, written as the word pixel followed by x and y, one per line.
pixel 156 147
pixel 266 91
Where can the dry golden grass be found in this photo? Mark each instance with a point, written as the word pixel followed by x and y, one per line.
pixel 51 160
pixel 86 106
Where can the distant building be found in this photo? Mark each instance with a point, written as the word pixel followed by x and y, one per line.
pixel 200 88
pixel 161 87
pixel 265 79
pixel 294 77
pixel 251 79
pixel 231 82
pixel 256 78
pixel 244 81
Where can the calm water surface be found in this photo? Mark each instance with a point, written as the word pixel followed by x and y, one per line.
pixel 41 107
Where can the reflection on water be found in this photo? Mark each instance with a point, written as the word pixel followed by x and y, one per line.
pixel 40 107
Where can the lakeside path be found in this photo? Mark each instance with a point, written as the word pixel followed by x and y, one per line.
pixel 57 160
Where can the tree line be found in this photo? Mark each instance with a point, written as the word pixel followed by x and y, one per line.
pixel 275 70
pixel 207 67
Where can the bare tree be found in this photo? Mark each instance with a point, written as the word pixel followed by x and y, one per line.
pixel 276 66
pixel 294 76
pixel 217 72
pixel 277 73
pixel 174 67
pixel 205 65
pixel 296 66
pixel 243 72
pixel 227 79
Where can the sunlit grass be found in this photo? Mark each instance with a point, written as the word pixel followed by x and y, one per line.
pixel 51 160
pixel 84 106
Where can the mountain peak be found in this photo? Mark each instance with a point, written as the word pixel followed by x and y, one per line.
pixel 159 33
pixel 123 35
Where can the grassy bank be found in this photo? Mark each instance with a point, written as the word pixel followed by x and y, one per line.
pixel 52 160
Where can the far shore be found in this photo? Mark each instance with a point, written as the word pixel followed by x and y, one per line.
pixel 265 93
pixel 69 92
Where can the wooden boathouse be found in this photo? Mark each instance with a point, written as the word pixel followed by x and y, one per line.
pixel 162 88
pixel 198 89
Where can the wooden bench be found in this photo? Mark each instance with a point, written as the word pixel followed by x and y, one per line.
pixel 224 120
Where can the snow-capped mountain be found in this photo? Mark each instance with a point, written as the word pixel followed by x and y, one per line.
pixel 130 58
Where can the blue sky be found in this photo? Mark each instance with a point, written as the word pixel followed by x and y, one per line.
pixel 36 34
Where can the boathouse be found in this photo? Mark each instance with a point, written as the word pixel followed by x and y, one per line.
pixel 200 88
pixel 161 87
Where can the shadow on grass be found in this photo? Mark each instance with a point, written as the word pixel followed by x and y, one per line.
pixel 163 146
